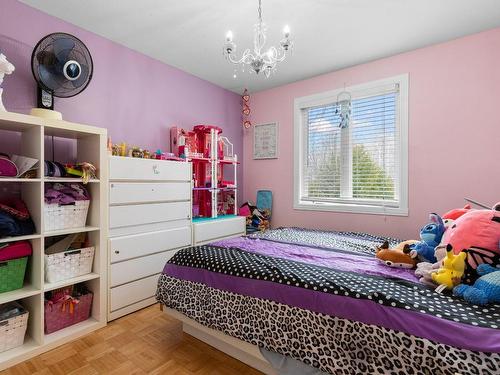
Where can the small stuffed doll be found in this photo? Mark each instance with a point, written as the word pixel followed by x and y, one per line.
pixel 431 235
pixel 485 290
pixel 398 257
pixel 451 271
pixel 425 270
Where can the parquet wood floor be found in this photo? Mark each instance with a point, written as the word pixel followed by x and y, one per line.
pixel 144 342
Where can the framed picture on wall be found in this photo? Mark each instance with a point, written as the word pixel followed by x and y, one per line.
pixel 265 141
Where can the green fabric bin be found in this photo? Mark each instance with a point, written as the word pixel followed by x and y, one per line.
pixel 12 274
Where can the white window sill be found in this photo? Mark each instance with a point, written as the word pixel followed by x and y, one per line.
pixel 350 208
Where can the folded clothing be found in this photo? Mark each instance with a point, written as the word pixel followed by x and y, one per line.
pixel 15 218
pixel 19 249
pixel 64 194
pixel 54 169
pixel 7 167
pixel 10 310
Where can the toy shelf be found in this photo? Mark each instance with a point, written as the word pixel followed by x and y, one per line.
pixel 210 199
pixel 27 135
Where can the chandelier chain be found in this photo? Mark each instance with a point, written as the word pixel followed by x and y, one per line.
pixel 260 11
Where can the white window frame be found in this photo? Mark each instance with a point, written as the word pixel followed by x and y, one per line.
pixel 300 139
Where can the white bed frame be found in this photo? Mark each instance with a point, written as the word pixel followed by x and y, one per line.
pixel 241 350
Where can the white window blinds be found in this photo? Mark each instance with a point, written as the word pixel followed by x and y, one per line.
pixel 359 164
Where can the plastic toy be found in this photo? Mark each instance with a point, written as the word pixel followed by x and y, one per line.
pixel 451 271
pixel 209 152
pixel 398 257
pixel 431 235
pixel 184 143
pixel 485 290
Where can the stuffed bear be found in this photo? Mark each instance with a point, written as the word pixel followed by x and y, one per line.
pixel 485 290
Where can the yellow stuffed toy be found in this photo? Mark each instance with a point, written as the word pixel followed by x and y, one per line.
pixel 451 271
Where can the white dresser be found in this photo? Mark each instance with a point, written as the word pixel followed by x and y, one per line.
pixel 214 229
pixel 149 220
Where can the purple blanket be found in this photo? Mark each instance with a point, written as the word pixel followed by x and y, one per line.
pixel 353 286
pixel 366 264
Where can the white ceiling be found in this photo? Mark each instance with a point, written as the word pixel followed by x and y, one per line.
pixel 328 34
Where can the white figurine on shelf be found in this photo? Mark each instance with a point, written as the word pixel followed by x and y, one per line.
pixel 5 68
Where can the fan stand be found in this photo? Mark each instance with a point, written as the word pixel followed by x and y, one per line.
pixel 45 109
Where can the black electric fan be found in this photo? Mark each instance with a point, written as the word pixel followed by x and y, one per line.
pixel 62 67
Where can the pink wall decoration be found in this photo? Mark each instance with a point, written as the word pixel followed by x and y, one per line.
pixel 454 134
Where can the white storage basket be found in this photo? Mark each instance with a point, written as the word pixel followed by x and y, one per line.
pixel 58 217
pixel 12 331
pixel 68 264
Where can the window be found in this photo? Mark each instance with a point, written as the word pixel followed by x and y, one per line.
pixel 359 168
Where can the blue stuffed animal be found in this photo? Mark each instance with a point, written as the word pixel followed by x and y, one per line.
pixel 485 290
pixel 431 235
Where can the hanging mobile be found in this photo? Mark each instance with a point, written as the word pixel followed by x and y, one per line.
pixel 343 108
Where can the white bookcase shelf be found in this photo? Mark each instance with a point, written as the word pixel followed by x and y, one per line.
pixel 90 145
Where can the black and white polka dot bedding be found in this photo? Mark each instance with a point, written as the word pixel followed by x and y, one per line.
pixel 331 344
pixel 363 243
pixel 397 294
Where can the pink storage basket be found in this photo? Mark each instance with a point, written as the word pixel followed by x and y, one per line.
pixel 62 314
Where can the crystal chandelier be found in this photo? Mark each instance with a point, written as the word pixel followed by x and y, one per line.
pixel 258 60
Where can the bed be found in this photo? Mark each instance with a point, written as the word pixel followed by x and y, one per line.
pixel 324 300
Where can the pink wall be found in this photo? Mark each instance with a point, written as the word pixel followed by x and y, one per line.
pixel 136 97
pixel 454 134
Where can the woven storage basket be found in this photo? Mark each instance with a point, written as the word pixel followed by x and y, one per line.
pixel 68 264
pixel 67 216
pixel 12 331
pixel 59 315
pixel 12 274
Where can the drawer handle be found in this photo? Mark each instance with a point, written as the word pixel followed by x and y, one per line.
pixel 117 252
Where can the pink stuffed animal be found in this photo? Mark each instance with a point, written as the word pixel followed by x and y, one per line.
pixel 452 215
pixel 478 233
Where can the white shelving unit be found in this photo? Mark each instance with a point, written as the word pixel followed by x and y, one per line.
pixel 90 144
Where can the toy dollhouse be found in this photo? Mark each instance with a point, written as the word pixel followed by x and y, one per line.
pixel 214 169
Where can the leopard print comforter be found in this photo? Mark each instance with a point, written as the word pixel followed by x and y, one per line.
pixel 333 345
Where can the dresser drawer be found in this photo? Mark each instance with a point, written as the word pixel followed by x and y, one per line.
pixel 133 292
pixel 144 192
pixel 150 227
pixel 138 268
pixel 215 229
pixel 122 216
pixel 121 168
pixel 138 245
